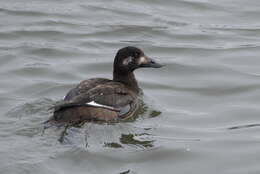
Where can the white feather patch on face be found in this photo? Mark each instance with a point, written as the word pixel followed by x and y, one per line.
pixel 142 60
pixel 128 60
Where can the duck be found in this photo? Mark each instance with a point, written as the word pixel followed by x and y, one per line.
pixel 106 100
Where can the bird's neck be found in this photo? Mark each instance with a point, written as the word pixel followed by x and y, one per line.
pixel 127 79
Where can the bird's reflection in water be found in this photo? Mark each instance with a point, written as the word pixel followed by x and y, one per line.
pixel 129 139
pixel 142 139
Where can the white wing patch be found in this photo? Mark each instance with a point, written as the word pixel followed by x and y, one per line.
pixel 93 103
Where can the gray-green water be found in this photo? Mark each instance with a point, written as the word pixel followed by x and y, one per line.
pixel 202 109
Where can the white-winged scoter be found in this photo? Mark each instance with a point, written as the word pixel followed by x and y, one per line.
pixel 100 99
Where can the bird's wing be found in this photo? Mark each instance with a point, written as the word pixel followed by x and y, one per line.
pixel 112 96
pixel 84 87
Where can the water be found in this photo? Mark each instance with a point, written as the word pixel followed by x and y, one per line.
pixel 201 112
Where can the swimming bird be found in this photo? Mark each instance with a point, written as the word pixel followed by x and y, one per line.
pixel 100 99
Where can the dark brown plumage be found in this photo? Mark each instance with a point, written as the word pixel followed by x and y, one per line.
pixel 100 99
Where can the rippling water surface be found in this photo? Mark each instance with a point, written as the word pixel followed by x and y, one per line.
pixel 201 112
